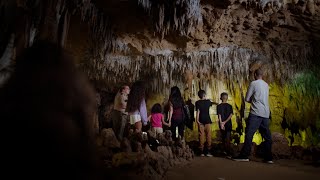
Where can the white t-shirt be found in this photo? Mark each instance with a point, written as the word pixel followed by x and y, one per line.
pixel 120 102
pixel 258 96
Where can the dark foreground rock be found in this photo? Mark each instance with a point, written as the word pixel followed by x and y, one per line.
pixel 142 157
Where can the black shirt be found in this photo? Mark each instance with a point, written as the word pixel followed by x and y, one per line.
pixel 203 106
pixel 225 109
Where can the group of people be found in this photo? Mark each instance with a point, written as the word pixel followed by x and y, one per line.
pixel 130 110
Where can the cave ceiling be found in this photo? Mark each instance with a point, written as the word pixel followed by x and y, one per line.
pixel 166 41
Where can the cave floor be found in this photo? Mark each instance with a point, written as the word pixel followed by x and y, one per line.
pixel 214 168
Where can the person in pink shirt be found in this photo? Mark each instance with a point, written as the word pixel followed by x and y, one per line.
pixel 156 118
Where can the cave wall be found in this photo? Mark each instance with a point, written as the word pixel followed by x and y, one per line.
pixel 211 45
pixel 226 42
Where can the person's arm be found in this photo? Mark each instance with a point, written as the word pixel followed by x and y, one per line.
pixel 231 113
pixel 219 114
pixel 197 117
pixel 197 113
pixel 228 119
pixel 249 93
pixel 164 122
pixel 143 112
pixel 170 112
pixel 219 118
pixel 214 103
pixel 149 118
pixel 123 101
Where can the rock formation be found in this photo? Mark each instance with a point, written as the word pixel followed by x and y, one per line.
pixel 195 44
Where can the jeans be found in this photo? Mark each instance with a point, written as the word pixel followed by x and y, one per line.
pixel 254 123
pixel 119 122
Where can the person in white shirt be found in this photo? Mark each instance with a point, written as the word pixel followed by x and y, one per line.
pixel 259 117
pixel 118 115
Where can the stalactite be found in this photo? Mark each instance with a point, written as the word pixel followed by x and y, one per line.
pixel 6 61
pixel 100 28
pixel 182 16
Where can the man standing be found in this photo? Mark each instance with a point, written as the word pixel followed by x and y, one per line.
pixel 118 114
pixel 258 96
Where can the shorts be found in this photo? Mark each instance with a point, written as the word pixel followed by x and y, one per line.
pixel 134 118
pixel 157 130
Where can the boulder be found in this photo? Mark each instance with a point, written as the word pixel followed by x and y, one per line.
pixel 280 146
pixel 109 138
pixel 132 159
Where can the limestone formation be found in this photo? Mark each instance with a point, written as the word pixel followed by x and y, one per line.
pixel 136 154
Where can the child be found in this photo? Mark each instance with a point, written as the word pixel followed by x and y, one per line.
pixel 224 111
pixel 204 121
pixel 156 118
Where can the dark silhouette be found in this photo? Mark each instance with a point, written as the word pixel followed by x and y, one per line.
pixel 46 108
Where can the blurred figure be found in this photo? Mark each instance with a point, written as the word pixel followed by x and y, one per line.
pixel 119 117
pixel 191 111
pixel 225 112
pixel 204 121
pixel 47 111
pixel 176 104
pixel 136 106
pixel 157 120
pixel 259 118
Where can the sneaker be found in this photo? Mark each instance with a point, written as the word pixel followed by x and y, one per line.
pixel 202 155
pixel 240 159
pixel 268 162
pixel 209 155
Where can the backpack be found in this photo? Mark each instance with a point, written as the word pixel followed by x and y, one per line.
pixel 187 117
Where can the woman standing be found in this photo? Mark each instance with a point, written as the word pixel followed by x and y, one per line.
pixel 136 106
pixel 176 112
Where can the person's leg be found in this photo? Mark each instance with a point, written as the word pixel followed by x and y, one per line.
pixel 116 122
pixel 252 126
pixel 227 142
pixel 159 130
pixel 223 139
pixel 173 129
pixel 207 130
pixel 201 138
pixel 266 134
pixel 181 129
pixel 124 120
pixel 138 126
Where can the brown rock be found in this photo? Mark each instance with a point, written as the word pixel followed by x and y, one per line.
pixel 165 151
pixel 159 163
pixel 125 145
pixel 133 159
pixel 280 146
pixel 109 138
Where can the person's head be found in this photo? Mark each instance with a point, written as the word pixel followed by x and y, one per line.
pixel 137 94
pixel 224 97
pixel 125 89
pixel 201 94
pixel 258 74
pixel 156 108
pixel 175 97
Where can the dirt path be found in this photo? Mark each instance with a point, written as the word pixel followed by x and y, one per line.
pixel 214 168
